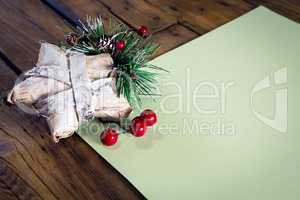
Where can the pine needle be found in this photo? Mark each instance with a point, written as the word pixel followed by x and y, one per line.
pixel 133 75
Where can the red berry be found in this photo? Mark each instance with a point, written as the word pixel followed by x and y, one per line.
pixel 149 116
pixel 143 31
pixel 138 127
pixel 109 137
pixel 120 45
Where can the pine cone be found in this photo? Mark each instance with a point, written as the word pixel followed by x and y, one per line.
pixel 72 39
pixel 106 44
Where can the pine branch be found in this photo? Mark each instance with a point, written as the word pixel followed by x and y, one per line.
pixel 133 75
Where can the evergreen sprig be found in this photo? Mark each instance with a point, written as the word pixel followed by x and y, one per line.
pixel 133 72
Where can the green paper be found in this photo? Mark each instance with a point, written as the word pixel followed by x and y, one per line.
pixel 228 117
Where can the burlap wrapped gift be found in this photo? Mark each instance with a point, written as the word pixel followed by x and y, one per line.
pixel 69 88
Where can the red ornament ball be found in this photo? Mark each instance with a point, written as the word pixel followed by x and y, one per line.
pixel 138 127
pixel 143 31
pixel 120 45
pixel 109 137
pixel 149 116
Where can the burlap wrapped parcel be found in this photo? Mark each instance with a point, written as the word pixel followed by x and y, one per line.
pixel 69 88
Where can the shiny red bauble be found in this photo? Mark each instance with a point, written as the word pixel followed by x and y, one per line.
pixel 138 127
pixel 120 45
pixel 143 31
pixel 109 137
pixel 149 116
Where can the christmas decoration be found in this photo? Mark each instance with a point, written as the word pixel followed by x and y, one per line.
pixel 120 45
pixel 71 39
pixel 131 56
pixel 96 72
pixel 109 137
pixel 143 31
pixel 138 127
pixel 149 116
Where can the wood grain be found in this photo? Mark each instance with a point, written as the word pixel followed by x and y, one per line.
pixel 139 12
pixel 173 37
pixel 80 9
pixel 6 76
pixel 203 15
pixel 133 13
pixel 68 170
pixel 23 25
pixel 12 183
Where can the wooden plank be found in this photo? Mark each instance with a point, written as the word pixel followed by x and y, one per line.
pixel 205 14
pixel 12 186
pixel 137 12
pixel 31 165
pixel 40 168
pixel 7 78
pixel 288 8
pixel 172 37
pixel 75 10
pixel 23 24
pixel 64 12
pixel 152 17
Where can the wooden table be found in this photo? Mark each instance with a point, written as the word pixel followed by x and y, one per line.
pixel 31 165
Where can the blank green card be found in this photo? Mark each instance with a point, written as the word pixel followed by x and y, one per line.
pixel 228 117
